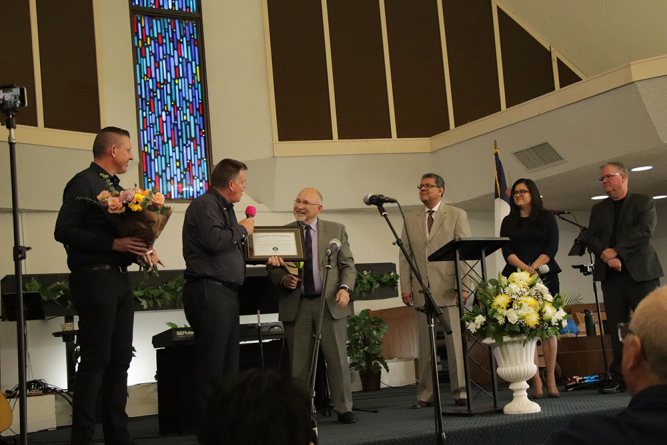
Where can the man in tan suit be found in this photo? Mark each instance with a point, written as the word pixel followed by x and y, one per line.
pixel 428 229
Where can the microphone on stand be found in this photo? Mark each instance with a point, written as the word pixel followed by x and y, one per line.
pixel 559 212
pixel 334 246
pixel 376 199
pixel 250 212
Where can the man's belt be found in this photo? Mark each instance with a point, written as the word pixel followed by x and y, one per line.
pixel 311 297
pixel 234 287
pixel 101 267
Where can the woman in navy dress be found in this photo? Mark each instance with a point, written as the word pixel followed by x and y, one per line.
pixel 533 234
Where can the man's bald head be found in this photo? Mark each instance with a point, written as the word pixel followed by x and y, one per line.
pixel 649 324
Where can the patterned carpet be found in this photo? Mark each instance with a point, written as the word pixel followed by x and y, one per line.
pixel 396 423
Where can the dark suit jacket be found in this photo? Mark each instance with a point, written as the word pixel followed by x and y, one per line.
pixel 637 222
pixel 642 422
pixel 342 272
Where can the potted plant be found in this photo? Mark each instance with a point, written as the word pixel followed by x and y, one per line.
pixel 364 341
pixel 511 317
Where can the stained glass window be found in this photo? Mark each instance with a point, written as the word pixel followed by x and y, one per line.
pixel 172 5
pixel 172 124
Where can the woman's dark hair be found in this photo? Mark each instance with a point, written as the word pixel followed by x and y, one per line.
pixel 536 206
pixel 257 407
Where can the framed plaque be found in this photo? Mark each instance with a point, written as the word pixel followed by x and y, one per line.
pixel 268 241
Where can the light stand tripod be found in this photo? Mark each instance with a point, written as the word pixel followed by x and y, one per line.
pixel 432 311
pixel 580 247
pixel 19 254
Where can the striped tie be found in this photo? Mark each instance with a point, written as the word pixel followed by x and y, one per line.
pixel 429 220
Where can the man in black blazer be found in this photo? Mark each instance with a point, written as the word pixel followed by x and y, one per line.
pixel 300 299
pixel 626 262
pixel 645 370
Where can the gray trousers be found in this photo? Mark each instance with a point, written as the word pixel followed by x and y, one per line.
pixel 300 339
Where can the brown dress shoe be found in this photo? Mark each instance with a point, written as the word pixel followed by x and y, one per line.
pixel 421 404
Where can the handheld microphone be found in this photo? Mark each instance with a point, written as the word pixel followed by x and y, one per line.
pixel 250 212
pixel 543 269
pixel 376 200
pixel 334 245
pixel 559 212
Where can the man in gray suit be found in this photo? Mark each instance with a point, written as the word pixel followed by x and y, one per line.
pixel 626 262
pixel 300 300
pixel 429 228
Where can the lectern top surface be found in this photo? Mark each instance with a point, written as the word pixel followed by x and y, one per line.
pixel 470 249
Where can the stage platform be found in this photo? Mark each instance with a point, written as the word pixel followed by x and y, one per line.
pixel 396 423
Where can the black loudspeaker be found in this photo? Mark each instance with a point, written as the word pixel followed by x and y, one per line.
pixel 177 408
pixel 178 412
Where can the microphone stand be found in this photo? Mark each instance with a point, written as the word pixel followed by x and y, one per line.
pixel 314 356
pixel 587 269
pixel 432 311
pixel 19 255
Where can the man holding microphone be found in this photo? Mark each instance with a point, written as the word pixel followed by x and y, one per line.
pixel 215 270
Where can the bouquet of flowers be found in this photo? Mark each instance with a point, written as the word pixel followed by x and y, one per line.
pixel 138 213
pixel 522 305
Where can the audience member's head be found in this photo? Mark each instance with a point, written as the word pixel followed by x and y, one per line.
pixel 644 351
pixel 257 407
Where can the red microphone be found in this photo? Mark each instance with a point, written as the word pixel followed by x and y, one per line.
pixel 250 212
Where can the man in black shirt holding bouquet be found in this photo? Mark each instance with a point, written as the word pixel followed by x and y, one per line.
pixel 98 258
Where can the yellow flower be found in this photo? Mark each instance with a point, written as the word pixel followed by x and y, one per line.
pixel 522 279
pixel 501 301
pixel 529 301
pixel 134 207
pixel 532 318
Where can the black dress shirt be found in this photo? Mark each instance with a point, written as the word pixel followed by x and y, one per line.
pixel 213 240
pixel 527 242
pixel 83 228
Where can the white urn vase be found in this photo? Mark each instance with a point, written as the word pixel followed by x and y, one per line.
pixel 516 364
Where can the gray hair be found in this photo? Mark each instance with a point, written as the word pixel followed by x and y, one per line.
pixel 439 182
pixel 649 323
pixel 617 165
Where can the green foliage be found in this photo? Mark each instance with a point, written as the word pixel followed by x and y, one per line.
pixel 366 282
pixel 149 296
pixel 175 326
pixel 364 341
pixel 170 292
pixel 58 292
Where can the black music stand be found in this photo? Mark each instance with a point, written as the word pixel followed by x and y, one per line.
pixel 469 250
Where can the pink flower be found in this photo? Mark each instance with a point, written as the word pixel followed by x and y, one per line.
pixel 102 197
pixel 127 196
pixel 115 205
pixel 157 200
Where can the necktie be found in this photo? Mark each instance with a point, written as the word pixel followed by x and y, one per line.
pixel 308 280
pixel 429 220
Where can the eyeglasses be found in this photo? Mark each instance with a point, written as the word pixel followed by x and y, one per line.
pixel 306 203
pixel 520 192
pixel 623 331
pixel 602 178
pixel 426 186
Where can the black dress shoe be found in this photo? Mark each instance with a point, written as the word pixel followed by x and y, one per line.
pixel 614 388
pixel 347 417
pixel 461 402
